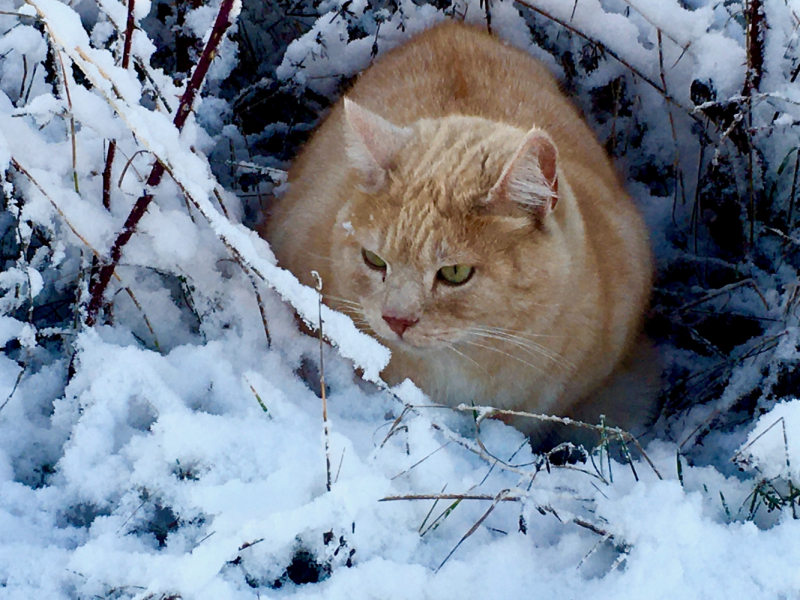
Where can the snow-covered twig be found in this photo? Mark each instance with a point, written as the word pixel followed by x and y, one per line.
pixel 100 283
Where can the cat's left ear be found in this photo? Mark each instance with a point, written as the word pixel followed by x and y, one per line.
pixel 530 178
pixel 372 143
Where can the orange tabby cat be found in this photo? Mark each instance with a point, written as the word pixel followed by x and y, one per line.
pixel 459 208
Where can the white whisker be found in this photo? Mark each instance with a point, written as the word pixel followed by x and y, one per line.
pixel 514 332
pixel 517 358
pixel 464 356
pixel 532 348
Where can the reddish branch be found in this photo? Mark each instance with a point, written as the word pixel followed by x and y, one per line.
pixel 103 276
pixel 112 146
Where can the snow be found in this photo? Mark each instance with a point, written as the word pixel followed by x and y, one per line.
pixel 772 448
pixel 177 448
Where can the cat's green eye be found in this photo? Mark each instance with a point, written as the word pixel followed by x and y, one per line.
pixel 455 274
pixel 373 260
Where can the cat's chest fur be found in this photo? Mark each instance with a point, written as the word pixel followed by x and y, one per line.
pixel 459 209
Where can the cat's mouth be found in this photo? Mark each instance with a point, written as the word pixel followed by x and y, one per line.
pixel 406 334
pixel 411 341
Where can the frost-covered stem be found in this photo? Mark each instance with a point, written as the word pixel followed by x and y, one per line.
pixel 112 146
pixel 615 432
pixel 100 283
pixel 505 498
pixel 323 394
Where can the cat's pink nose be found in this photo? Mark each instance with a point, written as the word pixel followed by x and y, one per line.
pixel 399 326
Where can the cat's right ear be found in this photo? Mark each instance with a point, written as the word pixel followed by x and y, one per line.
pixel 372 143
pixel 530 179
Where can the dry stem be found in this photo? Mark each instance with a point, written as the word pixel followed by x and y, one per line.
pixel 323 394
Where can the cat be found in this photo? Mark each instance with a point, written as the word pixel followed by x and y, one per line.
pixel 458 207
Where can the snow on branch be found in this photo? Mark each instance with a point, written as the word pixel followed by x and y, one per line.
pixel 192 174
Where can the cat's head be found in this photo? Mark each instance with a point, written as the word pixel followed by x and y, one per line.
pixel 446 235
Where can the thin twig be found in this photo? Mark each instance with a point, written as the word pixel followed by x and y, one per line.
pixel 676 160
pixel 793 192
pixel 754 42
pixel 14 389
pixel 129 164
pixel 112 151
pixel 44 193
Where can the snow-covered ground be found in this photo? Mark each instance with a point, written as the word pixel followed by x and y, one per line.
pixel 177 449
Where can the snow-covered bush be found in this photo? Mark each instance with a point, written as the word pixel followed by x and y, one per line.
pixel 161 434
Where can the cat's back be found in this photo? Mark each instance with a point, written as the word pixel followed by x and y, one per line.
pixel 458 69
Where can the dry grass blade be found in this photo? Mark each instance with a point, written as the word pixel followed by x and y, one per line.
pixel 726 289
pixel 737 458
pixel 505 495
pixel 73 133
pixel 44 193
pixel 262 311
pixel 147 323
pixel 442 496
pixel 497 499
pixel 420 461
pixel 430 512
pixel 257 396
pixel 394 428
